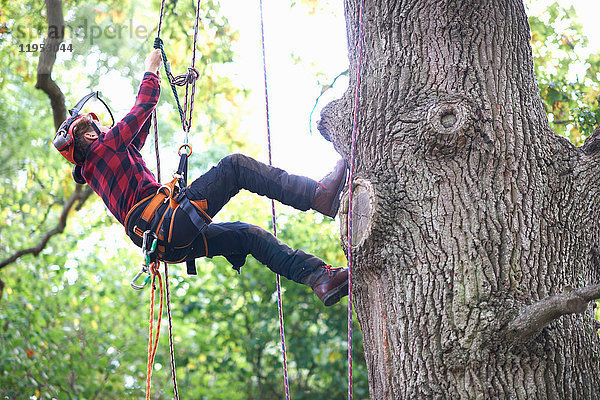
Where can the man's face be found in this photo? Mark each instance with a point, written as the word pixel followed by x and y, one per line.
pixel 90 135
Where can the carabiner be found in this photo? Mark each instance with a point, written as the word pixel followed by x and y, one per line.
pixel 143 270
pixel 148 250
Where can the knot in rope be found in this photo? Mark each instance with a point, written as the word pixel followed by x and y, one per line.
pixel 158 43
pixel 181 80
pixel 191 76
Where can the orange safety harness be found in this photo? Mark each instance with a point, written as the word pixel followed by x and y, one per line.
pixel 157 220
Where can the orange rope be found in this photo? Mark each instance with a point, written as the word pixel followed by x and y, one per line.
pixel 153 337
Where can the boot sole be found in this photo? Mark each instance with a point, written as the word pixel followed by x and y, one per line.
pixel 335 295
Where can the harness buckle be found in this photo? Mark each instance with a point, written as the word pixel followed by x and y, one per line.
pixel 169 193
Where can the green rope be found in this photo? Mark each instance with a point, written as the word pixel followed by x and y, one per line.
pixel 158 44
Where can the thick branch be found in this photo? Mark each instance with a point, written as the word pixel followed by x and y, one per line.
pixel 79 196
pixel 331 125
pixel 592 143
pixel 533 318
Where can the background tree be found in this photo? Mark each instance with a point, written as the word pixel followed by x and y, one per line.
pixel 478 225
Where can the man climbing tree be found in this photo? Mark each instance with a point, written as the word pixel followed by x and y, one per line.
pixel 179 218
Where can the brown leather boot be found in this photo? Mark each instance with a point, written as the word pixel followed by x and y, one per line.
pixel 327 195
pixel 330 284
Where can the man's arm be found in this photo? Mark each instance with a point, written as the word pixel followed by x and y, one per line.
pixel 134 128
pixel 140 139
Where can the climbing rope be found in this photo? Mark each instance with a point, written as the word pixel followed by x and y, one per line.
pixel 187 80
pixel 277 277
pixel 350 190
pixel 155 124
pixel 171 347
pixel 153 338
pixel 191 78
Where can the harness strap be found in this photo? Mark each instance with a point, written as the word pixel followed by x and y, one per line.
pixel 151 208
pixel 195 210
pixel 158 218
pixel 190 266
pixel 161 197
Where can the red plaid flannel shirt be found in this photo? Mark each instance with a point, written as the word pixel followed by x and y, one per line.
pixel 114 167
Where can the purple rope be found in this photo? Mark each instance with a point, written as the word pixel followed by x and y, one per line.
pixel 155 123
pixel 171 347
pixel 191 70
pixel 278 279
pixel 350 190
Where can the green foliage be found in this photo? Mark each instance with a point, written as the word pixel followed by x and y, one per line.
pixel 63 330
pixel 70 325
pixel 571 98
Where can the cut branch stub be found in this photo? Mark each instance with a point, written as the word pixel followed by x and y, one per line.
pixel 449 122
pixel 363 208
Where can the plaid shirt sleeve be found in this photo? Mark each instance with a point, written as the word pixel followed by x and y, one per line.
pixel 114 167
pixel 136 124
pixel 140 138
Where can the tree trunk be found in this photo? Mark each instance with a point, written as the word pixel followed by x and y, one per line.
pixel 467 209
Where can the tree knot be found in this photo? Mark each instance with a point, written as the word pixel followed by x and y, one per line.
pixel 450 123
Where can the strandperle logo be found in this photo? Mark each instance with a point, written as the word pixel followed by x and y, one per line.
pixel 80 31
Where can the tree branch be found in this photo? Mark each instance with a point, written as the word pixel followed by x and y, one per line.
pixel 56 28
pixel 592 143
pixel 79 196
pixel 533 318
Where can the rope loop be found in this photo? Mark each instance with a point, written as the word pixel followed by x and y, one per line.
pixel 191 77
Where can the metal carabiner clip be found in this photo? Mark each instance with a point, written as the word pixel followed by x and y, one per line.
pixel 148 247
pixel 143 270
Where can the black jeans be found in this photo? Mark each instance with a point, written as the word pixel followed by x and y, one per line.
pixel 235 240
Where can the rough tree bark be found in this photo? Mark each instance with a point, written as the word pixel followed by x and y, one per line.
pixel 475 219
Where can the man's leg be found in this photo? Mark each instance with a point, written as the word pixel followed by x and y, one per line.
pixel 235 240
pixel 237 171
